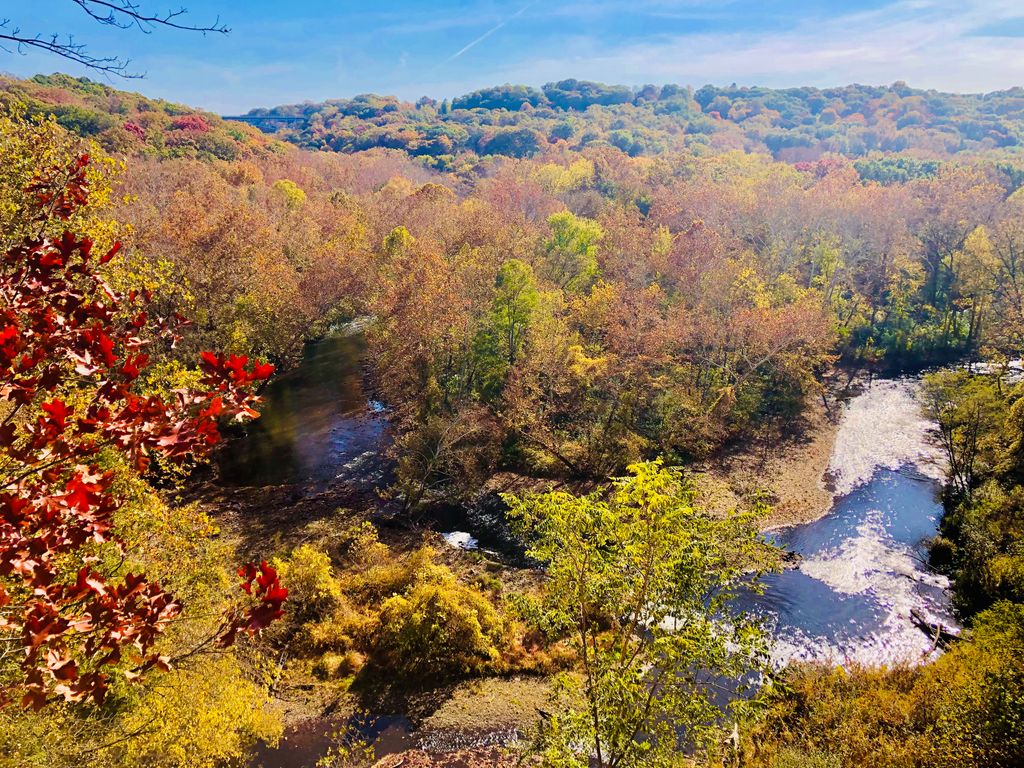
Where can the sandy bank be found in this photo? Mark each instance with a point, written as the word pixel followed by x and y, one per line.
pixel 791 471
pixel 484 757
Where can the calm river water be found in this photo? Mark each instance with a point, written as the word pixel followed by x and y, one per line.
pixel 316 427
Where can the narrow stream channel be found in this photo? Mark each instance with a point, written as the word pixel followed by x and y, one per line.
pixel 316 427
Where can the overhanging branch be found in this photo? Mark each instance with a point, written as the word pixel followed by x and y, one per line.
pixel 123 14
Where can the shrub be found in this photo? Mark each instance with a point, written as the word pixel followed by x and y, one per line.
pixel 135 130
pixel 190 123
pixel 313 589
pixel 403 610
pixel 965 709
pixel 440 628
pixel 977 692
pixel 375 572
pixel 333 665
pixel 347 627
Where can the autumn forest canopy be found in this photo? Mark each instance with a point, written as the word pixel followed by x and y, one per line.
pixel 586 298
pixel 796 124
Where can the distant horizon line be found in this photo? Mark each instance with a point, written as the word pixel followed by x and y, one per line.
pixel 635 88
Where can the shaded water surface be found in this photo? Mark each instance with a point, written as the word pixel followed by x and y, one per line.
pixel 317 425
pixel 304 745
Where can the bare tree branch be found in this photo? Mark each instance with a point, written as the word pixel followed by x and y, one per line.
pixel 123 14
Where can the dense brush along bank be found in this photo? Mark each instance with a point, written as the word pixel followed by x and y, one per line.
pixel 861 589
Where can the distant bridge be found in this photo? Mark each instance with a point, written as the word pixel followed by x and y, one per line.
pixel 253 119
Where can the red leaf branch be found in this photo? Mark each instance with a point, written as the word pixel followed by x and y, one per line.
pixel 69 369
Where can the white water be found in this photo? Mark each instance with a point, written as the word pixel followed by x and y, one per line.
pixel 863 567
pixel 883 428
pixel 460 540
pixel 873 562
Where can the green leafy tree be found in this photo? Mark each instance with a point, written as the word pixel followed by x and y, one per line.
pixel 969 411
pixel 640 580
pixel 515 299
pixel 570 254
pixel 498 344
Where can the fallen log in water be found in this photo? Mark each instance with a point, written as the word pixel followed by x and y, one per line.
pixel 939 634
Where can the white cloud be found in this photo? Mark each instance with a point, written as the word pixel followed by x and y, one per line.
pixel 928 43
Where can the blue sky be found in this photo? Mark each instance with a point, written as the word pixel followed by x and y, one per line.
pixel 285 52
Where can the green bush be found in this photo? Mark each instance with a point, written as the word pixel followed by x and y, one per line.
pixel 334 665
pixel 439 628
pixel 313 589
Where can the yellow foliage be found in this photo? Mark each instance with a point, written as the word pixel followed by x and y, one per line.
pixel 559 179
pixel 290 192
pixel 440 627
pixel 585 367
pixel 208 716
pixel 208 712
pixel 29 147
pixel 313 590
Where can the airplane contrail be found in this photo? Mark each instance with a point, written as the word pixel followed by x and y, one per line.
pixel 491 31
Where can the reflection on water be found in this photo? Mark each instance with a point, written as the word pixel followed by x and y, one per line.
pixel 306 745
pixel 317 424
pixel 864 564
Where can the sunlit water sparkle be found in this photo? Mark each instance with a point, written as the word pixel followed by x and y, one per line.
pixel 863 566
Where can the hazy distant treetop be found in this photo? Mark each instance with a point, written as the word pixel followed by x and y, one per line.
pixel 793 124
pixel 129 123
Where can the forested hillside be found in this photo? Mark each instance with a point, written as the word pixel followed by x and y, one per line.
pixel 130 123
pixel 560 286
pixel 796 124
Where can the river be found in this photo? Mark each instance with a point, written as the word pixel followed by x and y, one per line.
pixel 316 427
pixel 862 567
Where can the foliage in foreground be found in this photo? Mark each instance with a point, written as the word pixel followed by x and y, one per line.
pixel 965 709
pixel 71 353
pixel 92 594
pixel 640 582
pixel 981 422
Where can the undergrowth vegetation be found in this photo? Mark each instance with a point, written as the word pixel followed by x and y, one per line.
pixel 361 608
pixel 966 708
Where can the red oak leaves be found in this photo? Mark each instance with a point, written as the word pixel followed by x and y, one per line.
pixel 263 584
pixel 69 364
